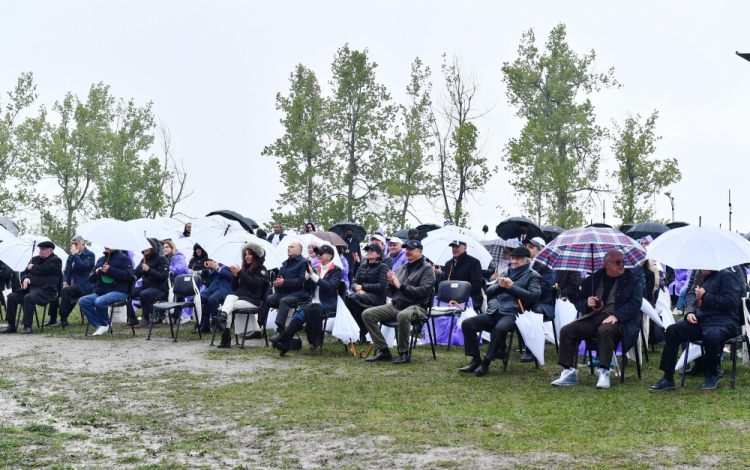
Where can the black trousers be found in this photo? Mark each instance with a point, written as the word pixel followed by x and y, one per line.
pixel 68 296
pixel 283 304
pixel 682 332
pixel 148 297
pixel 607 337
pixel 498 325
pixel 29 298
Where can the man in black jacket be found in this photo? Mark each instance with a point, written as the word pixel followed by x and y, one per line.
pixel 154 274
pixel 76 283
pixel 610 307
pixel 711 318
pixel 410 288
pixel 463 267
pixel 353 253
pixel 546 303
pixel 40 283
pixel 289 288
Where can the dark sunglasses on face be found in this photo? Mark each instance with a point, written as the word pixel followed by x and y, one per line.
pixel 617 262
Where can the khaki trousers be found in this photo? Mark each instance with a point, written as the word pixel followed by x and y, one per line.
pixel 372 317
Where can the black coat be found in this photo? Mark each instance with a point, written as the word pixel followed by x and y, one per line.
pixel 349 253
pixel 468 269
pixel 569 284
pixel 373 277
pixel 6 274
pixel 546 302
pixel 117 278
pixel 197 262
pixel 77 268
pixel 248 284
pixel 719 303
pixel 293 271
pixel 328 288
pixel 526 288
pixel 628 301
pixel 650 282
pixel 158 272
pixel 45 273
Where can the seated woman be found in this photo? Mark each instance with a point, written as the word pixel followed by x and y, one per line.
pixel 153 271
pixel 368 288
pixel 325 279
pixel 177 262
pixel 247 283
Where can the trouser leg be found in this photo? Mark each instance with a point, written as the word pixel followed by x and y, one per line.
pixel 285 304
pixel 372 318
pixel 29 308
pixel 713 343
pixel 148 298
pixel 607 337
pixel 471 328
pixel 497 348
pixel 86 304
pixel 573 333
pixel 405 318
pixel 14 300
pixel 67 296
pixel 272 301
pixel 676 334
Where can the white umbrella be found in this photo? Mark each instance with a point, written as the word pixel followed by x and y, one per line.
pixel 565 312
pixel 453 231
pixel 228 250
pixel 531 327
pixel 85 228
pixel 154 228
pixel 115 234
pixel 5 234
pixel 651 313
pixel 693 351
pixel 696 247
pixel 345 327
pixel 17 252
pixel 437 250
pixel 185 245
pixel 306 240
pixel 207 229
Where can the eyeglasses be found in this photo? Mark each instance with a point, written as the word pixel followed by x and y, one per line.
pixel 617 262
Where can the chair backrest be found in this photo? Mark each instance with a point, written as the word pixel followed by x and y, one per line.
pixel 460 291
pixel 186 285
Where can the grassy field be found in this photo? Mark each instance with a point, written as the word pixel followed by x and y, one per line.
pixel 249 408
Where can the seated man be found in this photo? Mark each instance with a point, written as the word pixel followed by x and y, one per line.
pixel 522 284
pixel 610 307
pixel 40 283
pixel 463 267
pixel 154 275
pixel 410 288
pixel 326 279
pixel 218 288
pixel 75 281
pixel 396 252
pixel 711 318
pixel 111 278
pixel 289 289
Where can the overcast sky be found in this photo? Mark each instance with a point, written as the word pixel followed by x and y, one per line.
pixel 213 69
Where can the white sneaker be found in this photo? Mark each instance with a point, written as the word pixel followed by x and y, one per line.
pixel 567 378
pixel 603 379
pixel 101 330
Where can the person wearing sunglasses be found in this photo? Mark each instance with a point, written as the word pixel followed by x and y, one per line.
pixel 610 308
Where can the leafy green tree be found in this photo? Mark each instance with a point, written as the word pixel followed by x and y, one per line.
pixel 301 151
pixel 19 169
pixel 462 169
pixel 359 122
pixel 556 158
pixel 410 176
pixel 638 175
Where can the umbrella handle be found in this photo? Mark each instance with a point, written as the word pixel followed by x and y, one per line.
pixel 520 305
pixel 455 304
pixel 364 354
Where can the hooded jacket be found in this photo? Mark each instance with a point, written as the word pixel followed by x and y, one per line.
pixel 117 278
pixel 77 269
pixel 45 273
pixel 248 284
pixel 417 281
pixel 158 264
pixel 197 262
pixel 178 264
pixel 526 288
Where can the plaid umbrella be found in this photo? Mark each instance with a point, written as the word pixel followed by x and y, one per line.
pixel 496 247
pixel 583 249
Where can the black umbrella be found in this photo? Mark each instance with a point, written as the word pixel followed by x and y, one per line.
pixel 599 225
pixel 625 227
pixel 340 229
pixel 402 234
pixel 247 223
pixel 551 232
pixel 515 227
pixel 424 229
pixel 673 225
pixel 644 229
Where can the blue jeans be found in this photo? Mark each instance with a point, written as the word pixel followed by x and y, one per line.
pixel 95 307
pixel 681 300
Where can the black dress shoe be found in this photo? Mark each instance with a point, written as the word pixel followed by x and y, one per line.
pixel 51 323
pixel 483 368
pixel 8 329
pixel 403 358
pixel 206 329
pixel 662 385
pixel 527 357
pixel 276 337
pixel 472 365
pixel 253 335
pixel 384 355
pixel 26 331
pixel 61 324
pixel 695 371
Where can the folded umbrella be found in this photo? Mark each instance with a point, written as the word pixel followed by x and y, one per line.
pixel 693 352
pixel 651 313
pixel 531 327
pixel 696 247
pixel 345 326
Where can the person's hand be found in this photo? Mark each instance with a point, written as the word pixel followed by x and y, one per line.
pixel 610 319
pixel 26 283
pixel 699 291
pixel 73 249
pixel 65 284
pixel 235 269
pixel 494 276
pixel 361 292
pixel 144 267
pixel 105 268
pixel 691 318
pixel 506 282
pixel 394 279
pixel 592 302
pixel 356 287
pixel 309 269
pixel 279 281
pixel 355 257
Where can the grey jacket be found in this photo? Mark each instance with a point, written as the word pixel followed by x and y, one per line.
pixel 526 287
pixel 417 285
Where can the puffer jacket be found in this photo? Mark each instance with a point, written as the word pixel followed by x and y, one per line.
pixel 158 264
pixel 219 281
pixel 117 278
pixel 197 262
pixel 373 277
pixel 178 264
pixel 248 283
pixel 526 288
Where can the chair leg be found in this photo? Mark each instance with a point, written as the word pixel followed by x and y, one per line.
pixel 177 332
pixel 44 317
pixel 432 338
pixel 323 334
pixel 450 335
pixel 87 329
pixel 645 345
pixel 554 333
pixel 637 367
pixel 591 357
pixel 111 315
pixel 506 358
pixel 151 323
pixel 244 332
pixel 733 354
pixel 685 348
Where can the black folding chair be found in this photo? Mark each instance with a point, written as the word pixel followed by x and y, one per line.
pixel 248 312
pixel 452 293
pixel 118 303
pixel 185 285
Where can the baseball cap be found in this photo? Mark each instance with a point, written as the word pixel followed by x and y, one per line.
pixel 319 250
pixel 374 247
pixel 411 244
pixel 457 243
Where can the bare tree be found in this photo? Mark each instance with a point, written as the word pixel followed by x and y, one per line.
pixel 175 184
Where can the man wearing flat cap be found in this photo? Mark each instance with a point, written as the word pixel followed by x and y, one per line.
pixel 504 299
pixel 463 267
pixel 410 288
pixel 40 282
